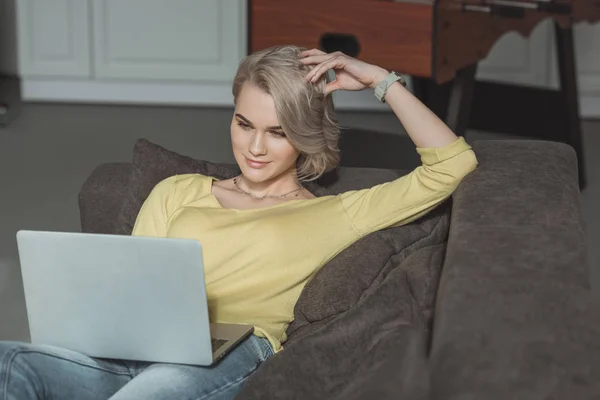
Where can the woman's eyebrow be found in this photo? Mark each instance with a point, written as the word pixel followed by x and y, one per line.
pixel 246 120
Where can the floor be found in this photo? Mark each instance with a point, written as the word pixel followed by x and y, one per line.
pixel 48 152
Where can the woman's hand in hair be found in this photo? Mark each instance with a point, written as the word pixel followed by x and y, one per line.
pixel 350 73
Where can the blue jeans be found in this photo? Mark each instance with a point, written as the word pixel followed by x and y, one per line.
pixel 44 372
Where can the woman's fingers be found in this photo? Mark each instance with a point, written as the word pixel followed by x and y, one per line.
pixel 318 58
pixel 311 52
pixel 317 71
pixel 331 87
pixel 332 63
pixel 328 62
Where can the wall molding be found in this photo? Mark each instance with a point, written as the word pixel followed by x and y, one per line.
pixel 196 94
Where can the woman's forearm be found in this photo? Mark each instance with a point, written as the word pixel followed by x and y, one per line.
pixel 422 125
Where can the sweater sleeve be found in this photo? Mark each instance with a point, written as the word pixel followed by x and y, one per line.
pixel 411 196
pixel 156 210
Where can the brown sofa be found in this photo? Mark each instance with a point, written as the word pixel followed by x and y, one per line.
pixel 487 297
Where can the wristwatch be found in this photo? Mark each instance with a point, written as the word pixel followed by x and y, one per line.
pixel 383 86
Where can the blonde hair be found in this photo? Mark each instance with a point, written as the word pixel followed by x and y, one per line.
pixel 305 114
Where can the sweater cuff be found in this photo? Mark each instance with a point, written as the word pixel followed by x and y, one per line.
pixel 433 155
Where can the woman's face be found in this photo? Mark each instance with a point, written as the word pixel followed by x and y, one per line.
pixel 260 146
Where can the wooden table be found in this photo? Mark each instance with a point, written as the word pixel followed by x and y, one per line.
pixel 439 43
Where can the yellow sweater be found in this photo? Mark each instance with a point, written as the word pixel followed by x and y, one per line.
pixel 257 261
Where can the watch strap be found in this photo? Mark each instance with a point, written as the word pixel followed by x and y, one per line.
pixel 383 86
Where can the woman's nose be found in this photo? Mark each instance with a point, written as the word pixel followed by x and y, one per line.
pixel 257 145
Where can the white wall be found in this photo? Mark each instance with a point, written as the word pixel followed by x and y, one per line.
pixel 8 38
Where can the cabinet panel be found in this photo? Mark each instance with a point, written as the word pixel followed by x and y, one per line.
pixel 587 48
pixel 169 39
pixel 53 37
pixel 519 60
pixel 587 53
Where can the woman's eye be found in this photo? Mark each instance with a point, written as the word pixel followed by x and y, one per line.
pixel 243 126
pixel 278 134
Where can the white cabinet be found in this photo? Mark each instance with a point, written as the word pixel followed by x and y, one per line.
pixel 519 60
pixel 53 38
pixel 587 47
pixel 183 52
pixel 532 60
pixel 161 40
pixel 587 50
pixel 170 40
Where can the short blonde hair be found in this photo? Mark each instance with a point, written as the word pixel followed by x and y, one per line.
pixel 305 114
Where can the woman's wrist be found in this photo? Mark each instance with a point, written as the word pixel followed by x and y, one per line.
pixel 380 75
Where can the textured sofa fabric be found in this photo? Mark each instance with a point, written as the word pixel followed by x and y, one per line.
pixel 359 270
pixel 514 316
pixel 487 297
pixel 102 196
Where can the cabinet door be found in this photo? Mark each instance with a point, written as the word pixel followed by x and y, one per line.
pixel 169 39
pixel 587 58
pixel 518 60
pixel 53 38
pixel 587 50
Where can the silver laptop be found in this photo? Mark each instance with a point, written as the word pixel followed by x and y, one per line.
pixel 123 297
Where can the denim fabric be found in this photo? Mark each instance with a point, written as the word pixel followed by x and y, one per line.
pixel 45 372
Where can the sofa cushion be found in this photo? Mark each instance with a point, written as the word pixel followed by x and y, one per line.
pixel 101 197
pixel 359 270
pixel 423 270
pixel 375 350
pixel 153 163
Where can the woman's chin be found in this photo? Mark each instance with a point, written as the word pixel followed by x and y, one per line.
pixel 256 175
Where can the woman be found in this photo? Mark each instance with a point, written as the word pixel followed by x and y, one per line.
pixel 263 234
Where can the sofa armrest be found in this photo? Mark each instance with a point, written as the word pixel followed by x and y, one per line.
pixel 101 197
pixel 514 316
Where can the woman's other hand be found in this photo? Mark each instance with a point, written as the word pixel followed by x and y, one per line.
pixel 350 73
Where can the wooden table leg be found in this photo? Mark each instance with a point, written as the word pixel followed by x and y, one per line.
pixel 565 47
pixel 433 95
pixel 461 99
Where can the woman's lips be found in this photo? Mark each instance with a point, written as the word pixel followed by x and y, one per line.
pixel 256 164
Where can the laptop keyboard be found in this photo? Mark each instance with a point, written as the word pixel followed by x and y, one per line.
pixel 217 343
